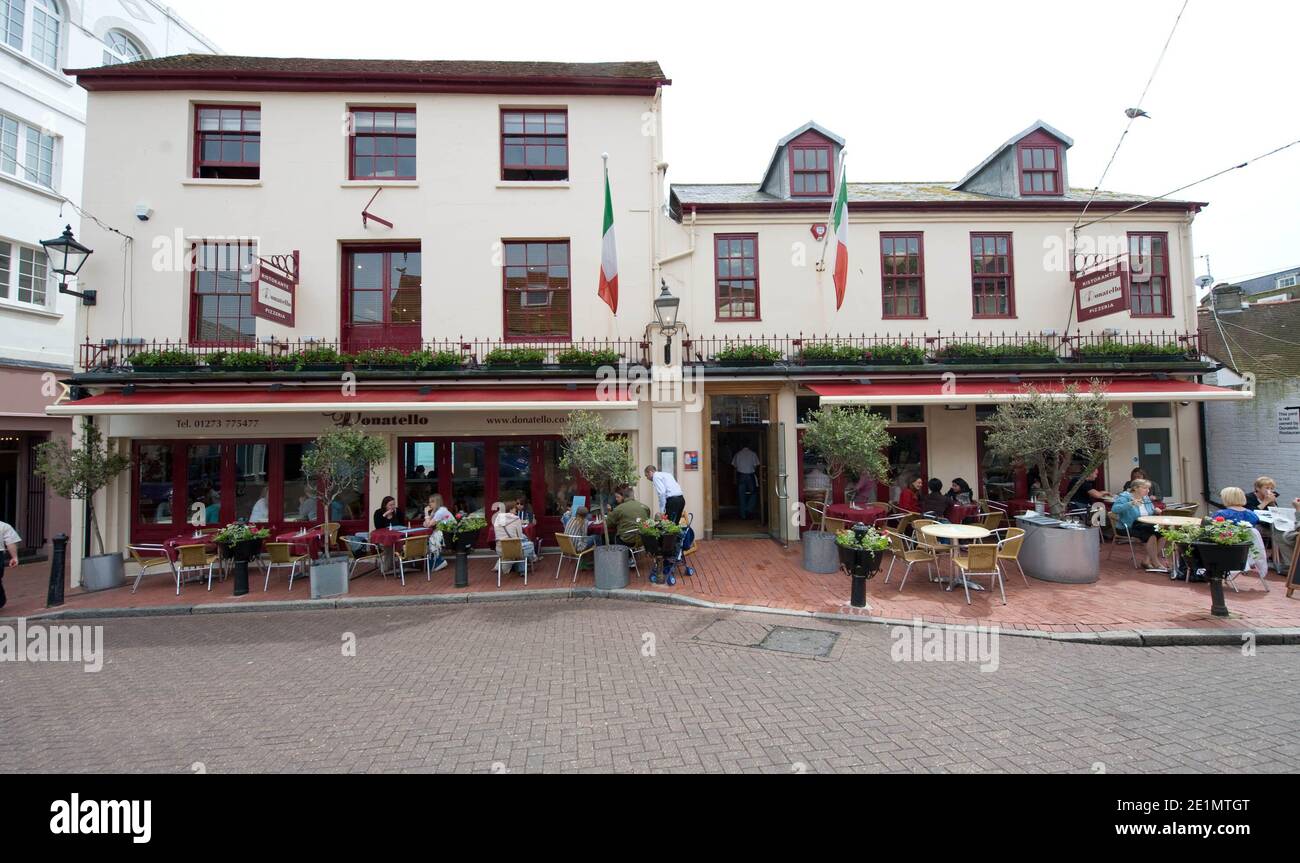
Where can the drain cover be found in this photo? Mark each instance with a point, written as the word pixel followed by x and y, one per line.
pixel 806 642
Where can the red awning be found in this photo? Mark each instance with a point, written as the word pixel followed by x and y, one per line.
pixel 366 399
pixel 991 392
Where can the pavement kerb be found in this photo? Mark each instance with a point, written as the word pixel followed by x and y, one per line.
pixel 1141 637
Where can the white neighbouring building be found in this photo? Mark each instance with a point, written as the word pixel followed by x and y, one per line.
pixel 42 146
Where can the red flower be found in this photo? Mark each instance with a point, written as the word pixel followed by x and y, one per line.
pixel 1219 518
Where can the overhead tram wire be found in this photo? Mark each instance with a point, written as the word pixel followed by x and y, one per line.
pixel 1129 124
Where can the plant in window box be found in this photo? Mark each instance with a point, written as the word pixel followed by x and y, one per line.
pixel 167 360
pixel 424 360
pixel 238 361
pixel 1110 350
pixel 831 352
pixel 1031 351
pixel 515 357
pixel 384 358
pixel 660 536
pixel 586 359
pixel 964 353
pixel 747 355
pixel 895 355
pixel 318 359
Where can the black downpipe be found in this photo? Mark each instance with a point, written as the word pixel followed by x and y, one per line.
pixel 85 512
pixel 1205 455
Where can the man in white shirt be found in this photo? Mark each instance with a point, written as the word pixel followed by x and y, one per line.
pixel 9 538
pixel 261 513
pixel 672 502
pixel 746 463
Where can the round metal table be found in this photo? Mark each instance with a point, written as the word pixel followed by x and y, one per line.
pixel 957 533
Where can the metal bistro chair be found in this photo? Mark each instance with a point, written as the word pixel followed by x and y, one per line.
pixel 1119 534
pixel 330 532
pixel 818 509
pixel 148 557
pixel 569 551
pixel 360 551
pixel 415 550
pixel 1009 540
pixel 979 559
pixel 911 552
pixel 280 555
pixel 194 558
pixel 512 552
pixel 632 539
pixel 992 520
pixel 1257 553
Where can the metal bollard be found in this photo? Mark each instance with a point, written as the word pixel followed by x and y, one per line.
pixel 58 562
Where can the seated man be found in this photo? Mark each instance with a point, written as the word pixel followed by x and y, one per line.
pixel 623 517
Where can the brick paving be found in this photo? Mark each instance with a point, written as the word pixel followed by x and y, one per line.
pixel 567 685
pixel 759 572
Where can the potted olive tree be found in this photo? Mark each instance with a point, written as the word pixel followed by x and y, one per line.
pixel 851 441
pixel 339 462
pixel 79 474
pixel 606 461
pixel 1049 432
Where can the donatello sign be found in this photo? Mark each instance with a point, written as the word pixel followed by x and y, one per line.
pixel 1101 292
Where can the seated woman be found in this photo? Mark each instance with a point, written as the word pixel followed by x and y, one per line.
pixel 435 513
pixel 1264 494
pixel 1234 507
pixel 1129 507
pixel 506 524
pixel 960 491
pixel 934 502
pixel 386 515
pixel 576 527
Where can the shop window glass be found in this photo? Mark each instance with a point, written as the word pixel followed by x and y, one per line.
pixel 300 502
pixel 419 462
pixel 203 481
pixel 252 483
pixel 467 477
pixel 154 496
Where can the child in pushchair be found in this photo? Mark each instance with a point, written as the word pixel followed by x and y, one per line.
pixel 688 539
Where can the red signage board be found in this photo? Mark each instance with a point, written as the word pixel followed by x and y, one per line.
pixel 1101 292
pixel 274 289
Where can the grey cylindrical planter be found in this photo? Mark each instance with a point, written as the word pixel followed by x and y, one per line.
pixel 329 578
pixel 611 567
pixel 102 571
pixel 819 552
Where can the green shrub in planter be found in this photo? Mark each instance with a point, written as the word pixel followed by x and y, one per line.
pixel 580 357
pixel 436 359
pixel 382 358
pixel 164 359
pixel 904 354
pixel 747 354
pixel 231 361
pixel 964 351
pixel 1028 350
pixel 308 357
pixel 1109 349
pixel 831 352
pixel 515 357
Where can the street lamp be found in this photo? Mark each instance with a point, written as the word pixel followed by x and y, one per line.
pixel 666 306
pixel 66 258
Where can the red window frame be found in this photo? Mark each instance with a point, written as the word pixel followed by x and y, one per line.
pixel 548 138
pixel 1149 276
pixel 248 133
pixel 725 283
pixel 244 308
pixel 512 286
pixel 984 281
pixel 385 333
pixel 365 129
pixel 1038 155
pixel 811 173
pixel 890 283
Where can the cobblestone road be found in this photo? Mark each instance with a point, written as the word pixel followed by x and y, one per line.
pixel 568 685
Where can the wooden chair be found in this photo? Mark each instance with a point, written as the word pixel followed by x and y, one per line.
pixel 1010 539
pixel 194 558
pixel 359 552
pixel 511 552
pixel 414 550
pixel 280 555
pixel 980 559
pixel 569 551
pixel 911 552
pixel 148 557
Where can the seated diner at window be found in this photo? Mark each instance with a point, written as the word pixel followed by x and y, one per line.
pixel 1132 505
pixel 1234 507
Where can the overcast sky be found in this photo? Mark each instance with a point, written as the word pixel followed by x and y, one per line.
pixel 920 90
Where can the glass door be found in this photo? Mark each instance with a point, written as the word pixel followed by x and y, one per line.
pixel 381 298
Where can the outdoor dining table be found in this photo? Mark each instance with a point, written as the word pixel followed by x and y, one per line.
pixel 852 513
pixel 310 543
pixel 956 533
pixel 170 546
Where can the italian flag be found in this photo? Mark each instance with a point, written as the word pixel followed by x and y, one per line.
pixel 840 227
pixel 609 254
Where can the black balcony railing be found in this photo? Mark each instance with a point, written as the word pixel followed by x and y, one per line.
pixel 940 347
pixel 311 354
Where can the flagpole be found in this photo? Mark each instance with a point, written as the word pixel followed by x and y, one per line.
pixel 830 220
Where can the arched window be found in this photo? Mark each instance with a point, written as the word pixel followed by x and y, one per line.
pixel 47 22
pixel 121 48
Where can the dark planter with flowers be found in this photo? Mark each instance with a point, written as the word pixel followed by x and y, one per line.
pixel 241 543
pixel 1221 547
pixel 860 551
pixel 459 536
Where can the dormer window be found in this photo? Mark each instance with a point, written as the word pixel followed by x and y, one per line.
pixel 1040 170
pixel 810 169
